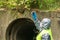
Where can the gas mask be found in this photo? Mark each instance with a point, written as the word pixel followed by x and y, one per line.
pixel 45 23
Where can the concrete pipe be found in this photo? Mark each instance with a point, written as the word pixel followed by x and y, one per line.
pixel 20 29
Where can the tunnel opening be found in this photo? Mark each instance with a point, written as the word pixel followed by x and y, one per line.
pixel 21 29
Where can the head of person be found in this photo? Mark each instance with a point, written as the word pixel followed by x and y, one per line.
pixel 46 23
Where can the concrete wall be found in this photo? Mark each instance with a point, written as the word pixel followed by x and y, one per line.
pixel 8 16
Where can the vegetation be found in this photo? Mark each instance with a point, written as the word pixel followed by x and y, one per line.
pixel 40 4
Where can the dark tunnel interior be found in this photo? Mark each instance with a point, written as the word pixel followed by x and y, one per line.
pixel 21 29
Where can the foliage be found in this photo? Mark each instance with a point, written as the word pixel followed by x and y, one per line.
pixel 47 4
pixel 40 4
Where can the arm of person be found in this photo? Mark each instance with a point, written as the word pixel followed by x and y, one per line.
pixel 35 19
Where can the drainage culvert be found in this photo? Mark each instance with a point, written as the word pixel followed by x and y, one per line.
pixel 20 29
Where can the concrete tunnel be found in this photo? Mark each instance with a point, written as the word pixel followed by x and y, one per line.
pixel 21 29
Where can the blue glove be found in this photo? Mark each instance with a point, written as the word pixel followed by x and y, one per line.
pixel 34 15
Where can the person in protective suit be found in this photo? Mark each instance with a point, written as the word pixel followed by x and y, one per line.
pixel 45 33
pixel 43 27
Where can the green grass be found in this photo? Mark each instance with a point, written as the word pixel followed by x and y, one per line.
pixel 40 4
